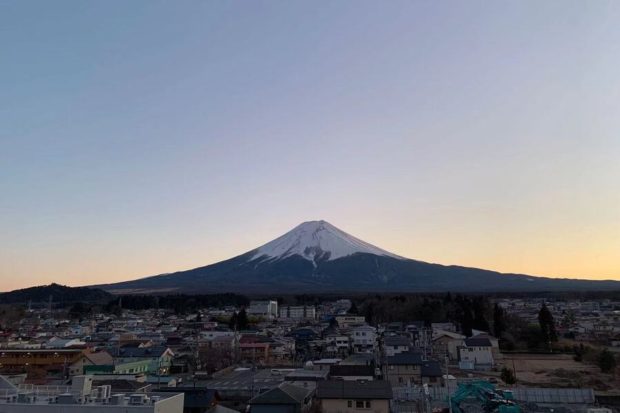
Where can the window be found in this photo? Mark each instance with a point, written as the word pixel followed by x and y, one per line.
pixel 368 404
pixel 349 403
pixel 359 404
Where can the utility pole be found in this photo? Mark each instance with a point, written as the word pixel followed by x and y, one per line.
pixel 448 384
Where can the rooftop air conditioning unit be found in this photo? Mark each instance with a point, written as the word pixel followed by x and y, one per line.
pixel 117 399
pixel 137 399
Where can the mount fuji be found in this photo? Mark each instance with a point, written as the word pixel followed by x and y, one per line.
pixel 316 256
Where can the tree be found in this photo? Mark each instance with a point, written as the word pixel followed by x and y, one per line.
pixel 79 310
pixel 508 376
pixel 607 362
pixel 353 309
pixel 232 322
pixel 499 321
pixel 480 322
pixel 242 320
pixel 533 337
pixel 547 325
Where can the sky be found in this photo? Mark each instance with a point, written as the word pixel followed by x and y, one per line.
pixel 144 137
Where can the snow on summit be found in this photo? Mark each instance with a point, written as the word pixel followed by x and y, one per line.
pixel 317 240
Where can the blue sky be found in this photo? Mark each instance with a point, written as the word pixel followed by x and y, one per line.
pixel 144 137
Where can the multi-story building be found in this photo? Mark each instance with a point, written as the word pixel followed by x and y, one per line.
pixel 396 344
pixel 298 312
pixel 41 361
pixel 350 320
pixel 266 308
pixel 403 369
pixel 83 397
pixel 364 338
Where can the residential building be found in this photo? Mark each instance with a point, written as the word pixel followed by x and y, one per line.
pixel 352 372
pixel 83 397
pixel 298 312
pixel 403 369
pixel 364 338
pixel 265 308
pixel 476 354
pixel 396 344
pixel 339 396
pixel 286 398
pixel 350 320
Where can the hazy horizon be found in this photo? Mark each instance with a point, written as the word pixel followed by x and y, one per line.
pixel 148 137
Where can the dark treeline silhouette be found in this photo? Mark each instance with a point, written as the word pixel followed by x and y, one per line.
pixel 58 295
pixel 180 303
pixel 468 312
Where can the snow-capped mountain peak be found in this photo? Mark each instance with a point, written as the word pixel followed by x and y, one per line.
pixel 317 240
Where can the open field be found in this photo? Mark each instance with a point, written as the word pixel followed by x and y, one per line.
pixel 558 370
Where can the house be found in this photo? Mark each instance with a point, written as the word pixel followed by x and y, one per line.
pixel 285 398
pixel 431 373
pixel 323 364
pixel 339 396
pixel 350 320
pixel 446 326
pixel 337 344
pixel 447 343
pixel 88 358
pixel 403 369
pixel 364 338
pixel 159 357
pixel 476 354
pixel 396 344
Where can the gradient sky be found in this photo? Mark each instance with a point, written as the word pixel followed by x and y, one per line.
pixel 142 137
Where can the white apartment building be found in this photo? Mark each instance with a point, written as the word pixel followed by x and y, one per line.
pixel 82 397
pixel 266 308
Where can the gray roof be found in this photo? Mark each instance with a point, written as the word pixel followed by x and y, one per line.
pixel 477 342
pixel 221 409
pixel 285 393
pixel 343 389
pixel 138 352
pixel 359 358
pixel 351 370
pixel 397 341
pixel 431 368
pixel 403 359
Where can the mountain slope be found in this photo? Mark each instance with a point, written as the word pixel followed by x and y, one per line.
pixel 318 257
pixel 58 293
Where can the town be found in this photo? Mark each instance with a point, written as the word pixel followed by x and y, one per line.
pixel 373 353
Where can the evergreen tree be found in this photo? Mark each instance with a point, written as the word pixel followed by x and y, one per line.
pixel 547 324
pixel 467 323
pixel 499 321
pixel 353 309
pixel 232 322
pixel 369 313
pixel 242 320
pixel 607 362
pixel 508 376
